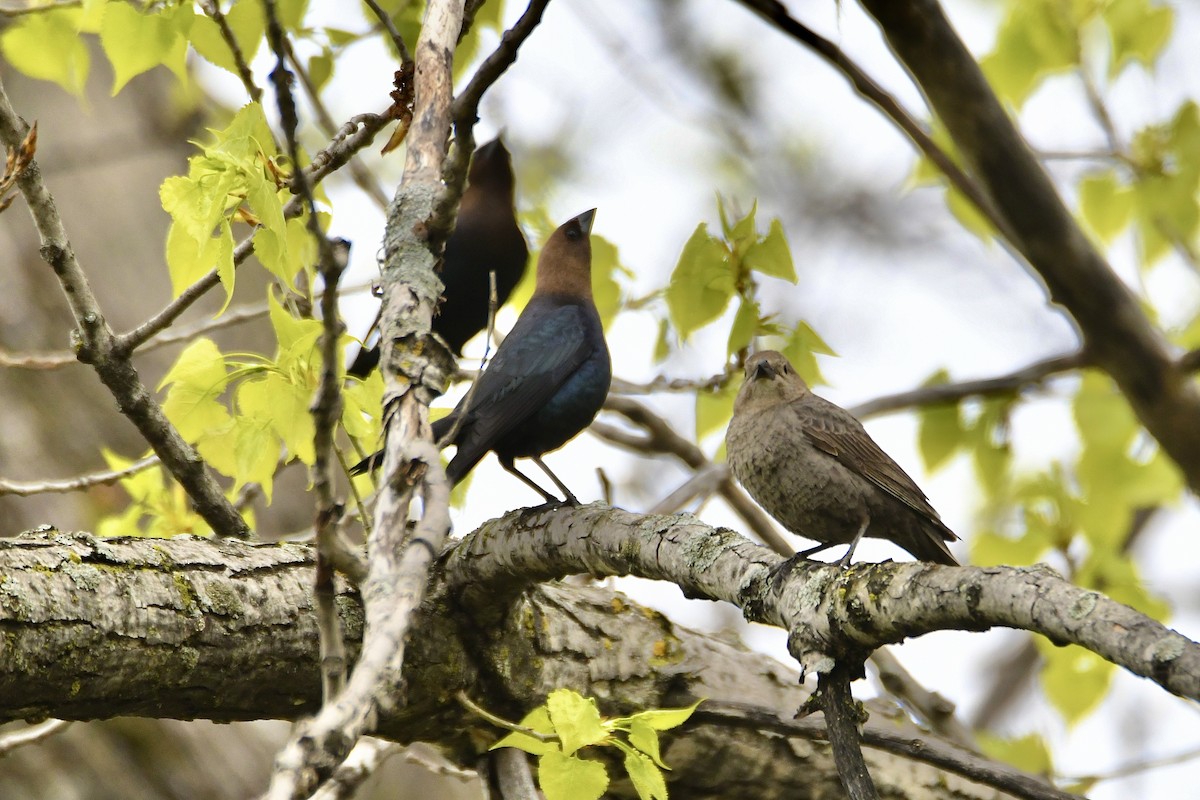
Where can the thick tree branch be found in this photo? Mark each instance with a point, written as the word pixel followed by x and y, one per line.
pixel 1117 335
pixel 192 628
pixel 829 613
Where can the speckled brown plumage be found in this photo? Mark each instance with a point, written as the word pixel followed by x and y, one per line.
pixel 814 468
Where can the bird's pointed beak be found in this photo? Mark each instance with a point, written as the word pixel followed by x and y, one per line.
pixel 585 221
pixel 763 370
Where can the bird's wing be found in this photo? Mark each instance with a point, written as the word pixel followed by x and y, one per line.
pixel 538 355
pixel 835 431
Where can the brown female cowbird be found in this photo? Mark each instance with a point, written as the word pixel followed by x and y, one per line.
pixel 486 238
pixel 814 468
pixel 550 374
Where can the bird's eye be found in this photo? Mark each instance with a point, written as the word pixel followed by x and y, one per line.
pixel 573 233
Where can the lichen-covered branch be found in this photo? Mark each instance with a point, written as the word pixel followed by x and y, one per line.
pixel 192 628
pixel 829 613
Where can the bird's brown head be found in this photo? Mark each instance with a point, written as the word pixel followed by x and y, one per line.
pixel 565 265
pixel 491 170
pixel 770 380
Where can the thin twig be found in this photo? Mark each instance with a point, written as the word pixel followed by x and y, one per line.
pixel 361 174
pixel 702 484
pixel 102 478
pixel 925 705
pixel 399 556
pixel 777 14
pixel 662 438
pixel 364 761
pixel 661 383
pixel 466 702
pixel 105 352
pixel 842 718
pixel 1136 768
pixel 32 734
pixel 464 111
pixel 493 302
pixel 213 9
pixel 886 737
pixel 949 393
pixel 327 407
pixel 392 31
pixel 356 134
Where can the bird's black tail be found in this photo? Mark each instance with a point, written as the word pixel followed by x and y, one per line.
pixel 440 428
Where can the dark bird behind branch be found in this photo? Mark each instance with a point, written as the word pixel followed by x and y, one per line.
pixel 486 238
pixel 814 468
pixel 550 375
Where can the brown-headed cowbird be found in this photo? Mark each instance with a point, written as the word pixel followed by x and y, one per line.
pixel 550 374
pixel 814 468
pixel 486 238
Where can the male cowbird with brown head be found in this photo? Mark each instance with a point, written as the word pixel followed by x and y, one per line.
pixel 550 375
pixel 814 468
pixel 486 238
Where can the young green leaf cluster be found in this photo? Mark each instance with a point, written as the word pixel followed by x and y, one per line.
pixel 569 722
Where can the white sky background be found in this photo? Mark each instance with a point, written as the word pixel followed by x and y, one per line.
pixel 594 80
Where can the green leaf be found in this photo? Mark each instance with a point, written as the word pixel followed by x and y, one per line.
pixel 940 432
pixel 1105 205
pixel 249 26
pixel 135 42
pixel 1028 752
pixel 1038 38
pixel 47 46
pixel 1074 680
pixel 664 719
pixel 189 260
pixel 576 720
pixel 568 778
pixel 771 255
pixel 991 549
pixel 320 68
pixel 968 214
pixel 646 777
pixel 256 445
pixel 1115 574
pixel 988 438
pixel 745 326
pixel 537 720
pixel 606 264
pixel 702 283
pixel 802 348
pixel 743 234
pixel 645 738
pixel 662 344
pixel 362 410
pixel 199 201
pixel 297 338
pixel 1138 31
pixel 714 407
pixel 291 12
pixel 197 379
pixel 290 415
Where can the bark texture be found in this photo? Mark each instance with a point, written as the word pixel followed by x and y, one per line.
pixel 190 628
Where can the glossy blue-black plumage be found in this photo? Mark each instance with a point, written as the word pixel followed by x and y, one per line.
pixel 549 376
pixel 547 383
